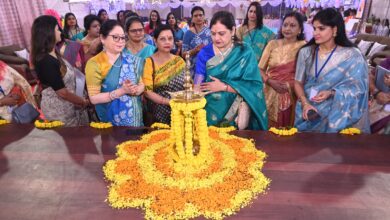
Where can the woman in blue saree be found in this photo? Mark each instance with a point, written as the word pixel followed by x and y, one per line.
pixel 233 78
pixel 136 45
pixel 114 80
pixel 253 32
pixel 197 37
pixel 331 79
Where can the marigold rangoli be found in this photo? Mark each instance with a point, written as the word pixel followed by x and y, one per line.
pixel 186 170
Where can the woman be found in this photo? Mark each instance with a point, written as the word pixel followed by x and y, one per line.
pixel 91 40
pixel 136 45
pixel 71 51
pixel 379 114
pixel 114 79
pixel 253 32
pixel 154 22
pixel 232 77
pixel 103 15
pixel 163 73
pixel 59 101
pixel 197 37
pixel 14 91
pixel 120 17
pixel 179 34
pixel 277 67
pixel 384 29
pixel 71 28
pixel 331 79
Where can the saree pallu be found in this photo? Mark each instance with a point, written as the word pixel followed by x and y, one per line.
pixel 347 74
pixel 280 105
pixel 125 110
pixel 73 52
pixel 168 77
pixel 256 38
pixel 239 70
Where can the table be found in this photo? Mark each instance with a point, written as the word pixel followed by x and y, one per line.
pixel 57 174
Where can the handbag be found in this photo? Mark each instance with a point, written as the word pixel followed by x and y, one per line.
pixel 240 112
pixel 24 114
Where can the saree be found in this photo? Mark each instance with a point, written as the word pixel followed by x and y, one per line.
pixel 12 83
pixel 101 76
pixel 168 77
pixel 256 38
pixel 146 52
pixel 192 40
pixel 239 70
pixel 72 52
pixel 347 74
pixel 56 108
pixel 278 62
pixel 178 35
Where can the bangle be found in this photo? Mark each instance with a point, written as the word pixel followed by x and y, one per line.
pixel 113 95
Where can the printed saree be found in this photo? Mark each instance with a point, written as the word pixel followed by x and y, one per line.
pixel 347 74
pixel 102 77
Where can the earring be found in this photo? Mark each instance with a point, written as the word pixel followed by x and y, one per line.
pixel 233 39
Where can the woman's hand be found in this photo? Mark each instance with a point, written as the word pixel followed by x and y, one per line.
pixel 322 96
pixel 383 98
pixel 279 87
pixel 9 100
pixel 306 107
pixel 133 89
pixel 214 86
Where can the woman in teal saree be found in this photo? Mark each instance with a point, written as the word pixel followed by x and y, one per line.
pixel 253 32
pixel 231 75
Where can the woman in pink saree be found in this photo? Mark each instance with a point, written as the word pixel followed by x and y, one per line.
pixel 277 67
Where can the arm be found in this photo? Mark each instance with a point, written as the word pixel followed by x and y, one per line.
pixel 156 98
pixel 94 81
pixel 50 74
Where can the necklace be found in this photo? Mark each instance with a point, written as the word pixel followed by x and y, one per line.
pixel 134 49
pixel 223 54
pixel 325 52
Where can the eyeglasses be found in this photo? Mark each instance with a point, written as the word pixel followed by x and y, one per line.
pixel 133 31
pixel 117 38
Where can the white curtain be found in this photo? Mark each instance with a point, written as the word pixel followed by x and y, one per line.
pixel 16 18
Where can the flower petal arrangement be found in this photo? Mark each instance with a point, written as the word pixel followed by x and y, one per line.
pixel 3 122
pixel 100 125
pixel 45 124
pixel 350 131
pixel 283 132
pixel 186 171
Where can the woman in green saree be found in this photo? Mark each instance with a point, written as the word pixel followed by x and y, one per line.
pixel 253 32
pixel 231 75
